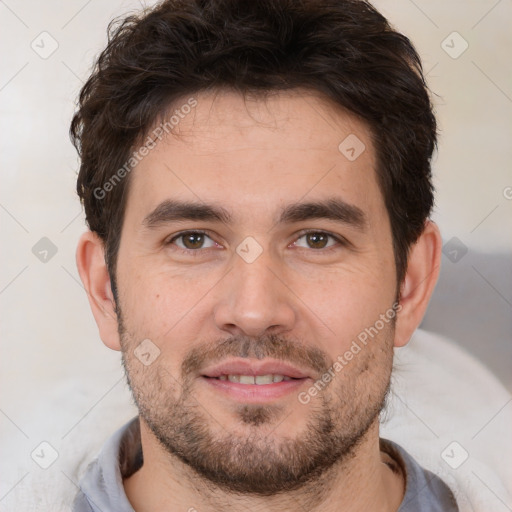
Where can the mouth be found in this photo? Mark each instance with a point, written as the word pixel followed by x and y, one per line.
pixel 259 380
pixel 254 381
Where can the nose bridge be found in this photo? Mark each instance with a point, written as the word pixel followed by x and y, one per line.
pixel 253 299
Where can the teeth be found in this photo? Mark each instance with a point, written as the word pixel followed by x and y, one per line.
pixel 251 379
pixel 264 379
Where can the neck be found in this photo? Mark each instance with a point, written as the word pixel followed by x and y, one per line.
pixel 362 481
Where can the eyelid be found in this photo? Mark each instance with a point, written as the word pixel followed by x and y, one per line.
pixel 341 241
pixel 169 241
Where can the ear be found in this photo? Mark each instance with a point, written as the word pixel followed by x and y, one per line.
pixel 418 285
pixel 90 260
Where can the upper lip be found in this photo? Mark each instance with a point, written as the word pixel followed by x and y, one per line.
pixel 254 367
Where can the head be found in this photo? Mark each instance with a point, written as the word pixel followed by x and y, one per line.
pixel 256 179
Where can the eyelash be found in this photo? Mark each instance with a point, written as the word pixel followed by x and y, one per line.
pixel 196 252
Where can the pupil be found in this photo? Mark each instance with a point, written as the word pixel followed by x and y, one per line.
pixel 317 240
pixel 193 240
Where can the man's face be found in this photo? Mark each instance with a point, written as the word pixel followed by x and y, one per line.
pixel 268 290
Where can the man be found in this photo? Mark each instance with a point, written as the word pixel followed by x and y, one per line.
pixel 256 179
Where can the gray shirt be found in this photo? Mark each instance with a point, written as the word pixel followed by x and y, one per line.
pixel 101 488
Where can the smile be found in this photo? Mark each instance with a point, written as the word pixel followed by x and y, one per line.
pixel 254 379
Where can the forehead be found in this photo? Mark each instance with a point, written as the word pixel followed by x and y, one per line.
pixel 255 154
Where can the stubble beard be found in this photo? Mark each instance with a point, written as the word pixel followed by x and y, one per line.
pixel 258 462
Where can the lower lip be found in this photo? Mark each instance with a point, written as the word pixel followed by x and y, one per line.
pixel 256 393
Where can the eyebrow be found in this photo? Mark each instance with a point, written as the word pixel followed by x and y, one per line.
pixel 332 209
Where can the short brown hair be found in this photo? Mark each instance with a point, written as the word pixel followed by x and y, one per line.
pixel 343 49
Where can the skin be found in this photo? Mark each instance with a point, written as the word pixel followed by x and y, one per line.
pixel 252 158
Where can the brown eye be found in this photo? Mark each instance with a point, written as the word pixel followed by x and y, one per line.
pixel 192 240
pixel 317 240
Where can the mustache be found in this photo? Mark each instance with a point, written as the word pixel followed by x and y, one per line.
pixel 271 346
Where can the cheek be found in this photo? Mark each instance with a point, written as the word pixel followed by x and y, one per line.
pixel 168 310
pixel 154 302
pixel 363 366
pixel 344 304
pixel 155 387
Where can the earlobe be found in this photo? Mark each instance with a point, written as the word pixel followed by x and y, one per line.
pixel 416 290
pixel 90 260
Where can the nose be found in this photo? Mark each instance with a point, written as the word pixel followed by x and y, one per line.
pixel 254 299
